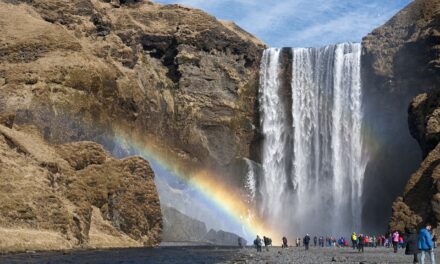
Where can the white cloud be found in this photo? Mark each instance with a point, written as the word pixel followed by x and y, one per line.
pixel 350 27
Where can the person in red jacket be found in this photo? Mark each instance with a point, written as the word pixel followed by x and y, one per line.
pixel 366 241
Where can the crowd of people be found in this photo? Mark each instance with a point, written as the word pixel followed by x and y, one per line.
pixel 418 244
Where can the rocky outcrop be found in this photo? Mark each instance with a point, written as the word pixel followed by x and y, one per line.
pixel 420 202
pixel 400 60
pixel 73 195
pixel 91 69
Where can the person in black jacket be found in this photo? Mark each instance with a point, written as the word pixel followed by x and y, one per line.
pixel 284 243
pixel 306 241
pixel 412 240
pixel 360 243
pixel 267 242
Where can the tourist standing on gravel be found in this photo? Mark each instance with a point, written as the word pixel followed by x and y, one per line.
pixel 425 244
pixel 395 238
pixel 412 241
pixel 306 241
pixel 258 243
pixel 354 240
pixel 366 241
pixel 374 241
pixel 360 243
pixel 267 242
pixel 284 243
pixel 315 240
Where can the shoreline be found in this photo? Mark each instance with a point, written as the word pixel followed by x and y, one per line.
pixel 161 246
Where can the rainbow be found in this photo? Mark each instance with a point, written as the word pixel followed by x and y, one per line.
pixel 206 182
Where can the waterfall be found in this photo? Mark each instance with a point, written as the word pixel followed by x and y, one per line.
pixel 311 118
pixel 250 183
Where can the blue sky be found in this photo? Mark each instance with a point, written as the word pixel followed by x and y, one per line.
pixel 302 23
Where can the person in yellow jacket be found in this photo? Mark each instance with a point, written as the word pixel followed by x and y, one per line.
pixel 354 240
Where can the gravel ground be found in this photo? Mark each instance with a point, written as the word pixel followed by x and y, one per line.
pixel 208 255
pixel 323 255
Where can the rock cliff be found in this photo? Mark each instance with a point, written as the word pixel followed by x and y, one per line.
pixel 98 70
pixel 400 60
pixel 88 69
pixel 72 195
pixel 420 202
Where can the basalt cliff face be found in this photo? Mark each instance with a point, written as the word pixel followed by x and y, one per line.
pixel 91 69
pixel 400 60
pixel 72 195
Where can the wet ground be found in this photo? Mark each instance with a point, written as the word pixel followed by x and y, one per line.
pixel 215 255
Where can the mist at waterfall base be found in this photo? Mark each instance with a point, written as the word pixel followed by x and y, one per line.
pixel 313 154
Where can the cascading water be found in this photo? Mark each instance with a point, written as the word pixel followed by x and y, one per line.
pixel 313 163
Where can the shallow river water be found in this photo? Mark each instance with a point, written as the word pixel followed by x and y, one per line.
pixel 216 255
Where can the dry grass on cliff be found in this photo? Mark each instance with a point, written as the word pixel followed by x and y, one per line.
pixel 23 239
pixel 103 235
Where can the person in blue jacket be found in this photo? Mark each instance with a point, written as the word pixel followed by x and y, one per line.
pixel 426 245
